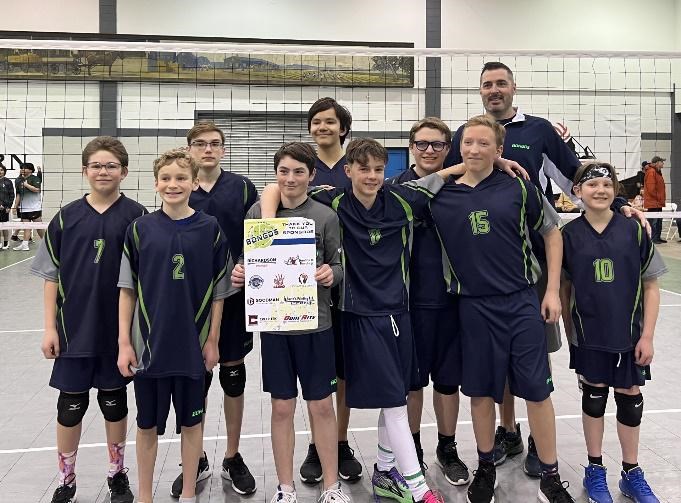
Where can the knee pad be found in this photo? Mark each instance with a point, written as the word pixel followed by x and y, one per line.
pixel 629 409
pixel 233 379
pixel 445 389
pixel 71 408
pixel 594 400
pixel 113 404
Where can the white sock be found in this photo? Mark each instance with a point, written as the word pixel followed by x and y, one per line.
pixel 402 444
pixel 188 500
pixel 385 459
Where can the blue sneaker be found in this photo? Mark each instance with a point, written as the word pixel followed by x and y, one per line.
pixel 391 485
pixel 596 484
pixel 634 486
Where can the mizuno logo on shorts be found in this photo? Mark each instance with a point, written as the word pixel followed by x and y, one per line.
pixel 74 406
pixel 110 403
pixel 233 373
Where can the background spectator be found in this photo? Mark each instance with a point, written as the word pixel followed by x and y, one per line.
pixel 654 195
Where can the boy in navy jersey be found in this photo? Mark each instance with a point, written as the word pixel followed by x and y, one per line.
pixel 378 347
pixel 307 355
pixel 484 219
pixel 226 196
pixel 433 312
pixel 329 125
pixel 173 279
pixel 78 260
pixel 612 268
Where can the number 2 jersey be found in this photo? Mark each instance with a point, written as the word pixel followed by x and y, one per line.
pixel 607 270
pixel 82 254
pixel 177 268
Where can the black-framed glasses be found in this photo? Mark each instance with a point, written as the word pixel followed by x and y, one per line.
pixel 200 144
pixel 437 146
pixel 109 166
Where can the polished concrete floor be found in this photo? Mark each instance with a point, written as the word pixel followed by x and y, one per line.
pixel 27 419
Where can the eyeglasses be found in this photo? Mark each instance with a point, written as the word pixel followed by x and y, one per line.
pixel 438 146
pixel 200 144
pixel 109 166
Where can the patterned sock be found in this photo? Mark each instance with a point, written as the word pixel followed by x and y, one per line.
pixel 67 467
pixel 402 444
pixel 548 470
pixel 486 457
pixel 385 459
pixel 595 460
pixel 116 457
pixel 445 440
pixel 628 466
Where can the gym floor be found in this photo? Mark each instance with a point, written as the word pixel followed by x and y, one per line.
pixel 28 461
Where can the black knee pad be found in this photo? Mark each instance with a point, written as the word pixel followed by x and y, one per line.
pixel 71 408
pixel 233 380
pixel 629 409
pixel 445 389
pixel 113 404
pixel 594 400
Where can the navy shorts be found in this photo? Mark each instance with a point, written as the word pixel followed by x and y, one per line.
pixel 154 394
pixel 502 336
pixel 438 345
pixel 380 360
pixel 4 216
pixel 336 327
pixel 551 330
pixel 307 357
pixel 618 370
pixel 235 343
pixel 75 375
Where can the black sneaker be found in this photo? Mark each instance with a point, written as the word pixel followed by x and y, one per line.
pixel 348 467
pixel 531 466
pixel 484 483
pixel 311 469
pixel 235 470
pixel 499 447
pixel 202 473
pixel 513 442
pixel 553 490
pixel 455 471
pixel 65 493
pixel 119 488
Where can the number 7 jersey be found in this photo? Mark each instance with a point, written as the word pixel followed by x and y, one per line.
pixel 177 268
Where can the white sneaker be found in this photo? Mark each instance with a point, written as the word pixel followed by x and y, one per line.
pixel 284 497
pixel 22 247
pixel 334 495
pixel 6 247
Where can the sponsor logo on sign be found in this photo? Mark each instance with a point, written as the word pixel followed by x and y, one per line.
pixel 302 279
pixel 302 317
pixel 256 281
pixel 267 260
pixel 299 261
pixel 261 235
pixel 299 300
pixel 279 281
pixel 252 319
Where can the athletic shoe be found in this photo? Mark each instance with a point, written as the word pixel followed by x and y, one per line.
pixel 14 238
pixel 6 247
pixel 634 486
pixel 21 247
pixel 391 485
pixel 65 493
pixel 348 467
pixel 235 470
pixel 119 488
pixel 553 490
pixel 334 495
pixel 432 497
pixel 484 483
pixel 596 484
pixel 507 443
pixel 532 466
pixel 499 448
pixel 202 473
pixel 455 471
pixel 283 496
pixel 311 469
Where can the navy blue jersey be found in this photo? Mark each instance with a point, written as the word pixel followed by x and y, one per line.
pixel 485 234
pixel 82 253
pixel 228 201
pixel 607 271
pixel 334 176
pixel 377 244
pixel 427 287
pixel 176 268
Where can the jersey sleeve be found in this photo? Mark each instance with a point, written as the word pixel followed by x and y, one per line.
pixel 324 196
pixel 36 182
pixel 562 162
pixel 541 216
pixel 222 267
pixel 454 156
pixel 128 273
pixel 250 194
pixel 332 248
pixel 46 262
pixel 652 264
pixel 419 192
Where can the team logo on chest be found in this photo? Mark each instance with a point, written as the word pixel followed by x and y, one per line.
pixel 374 236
